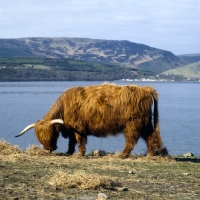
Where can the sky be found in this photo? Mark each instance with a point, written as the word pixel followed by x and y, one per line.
pixel 172 25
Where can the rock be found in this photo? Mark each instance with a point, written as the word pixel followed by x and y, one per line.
pixel 96 152
pixel 102 196
pixel 99 153
pixel 131 172
pixel 186 174
pixel 189 154
pixel 122 189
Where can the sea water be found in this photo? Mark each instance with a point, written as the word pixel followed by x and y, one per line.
pixel 23 103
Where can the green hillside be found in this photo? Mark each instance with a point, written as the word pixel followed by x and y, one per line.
pixel 190 71
pixel 63 69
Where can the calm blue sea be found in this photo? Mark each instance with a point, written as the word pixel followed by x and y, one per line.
pixel 23 103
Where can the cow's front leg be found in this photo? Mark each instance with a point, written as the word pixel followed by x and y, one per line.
pixel 81 140
pixel 72 144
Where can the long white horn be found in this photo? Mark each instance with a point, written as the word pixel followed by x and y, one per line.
pixel 26 129
pixel 57 121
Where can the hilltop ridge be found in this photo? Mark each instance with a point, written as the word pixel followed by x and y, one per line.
pixel 124 53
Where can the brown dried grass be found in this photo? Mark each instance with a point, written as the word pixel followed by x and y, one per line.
pixel 82 180
pixel 36 150
pixel 7 149
pixel 14 153
pixel 16 158
pixel 33 150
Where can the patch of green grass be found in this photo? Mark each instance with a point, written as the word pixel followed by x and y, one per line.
pixel 38 66
pixel 191 70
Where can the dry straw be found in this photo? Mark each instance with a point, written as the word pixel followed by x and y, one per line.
pixel 82 180
pixel 7 149
pixel 15 154
pixel 12 153
pixel 35 150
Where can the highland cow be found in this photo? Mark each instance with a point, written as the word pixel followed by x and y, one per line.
pixel 100 111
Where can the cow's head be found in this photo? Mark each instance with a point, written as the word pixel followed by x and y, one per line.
pixel 47 132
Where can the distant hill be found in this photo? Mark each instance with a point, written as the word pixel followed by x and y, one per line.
pixel 122 53
pixel 191 58
pixel 190 71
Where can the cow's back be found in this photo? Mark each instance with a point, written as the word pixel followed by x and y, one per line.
pixel 104 109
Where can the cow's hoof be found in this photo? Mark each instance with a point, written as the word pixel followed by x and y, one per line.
pixel 150 154
pixel 79 155
pixel 164 152
pixel 68 154
pixel 123 156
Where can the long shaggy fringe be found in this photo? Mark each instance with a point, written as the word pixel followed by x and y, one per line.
pixel 104 109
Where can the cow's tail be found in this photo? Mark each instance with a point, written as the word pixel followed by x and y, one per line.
pixel 154 94
pixel 158 144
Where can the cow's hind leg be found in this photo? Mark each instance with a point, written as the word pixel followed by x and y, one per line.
pixel 131 137
pixel 81 140
pixel 153 142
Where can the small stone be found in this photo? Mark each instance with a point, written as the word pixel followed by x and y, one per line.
pixel 131 172
pixel 99 153
pixel 186 174
pixel 189 154
pixel 96 152
pixel 123 189
pixel 102 196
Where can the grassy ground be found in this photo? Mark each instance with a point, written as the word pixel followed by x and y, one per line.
pixel 38 66
pixel 192 70
pixel 34 174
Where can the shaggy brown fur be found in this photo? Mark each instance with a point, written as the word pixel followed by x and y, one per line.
pixel 100 111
